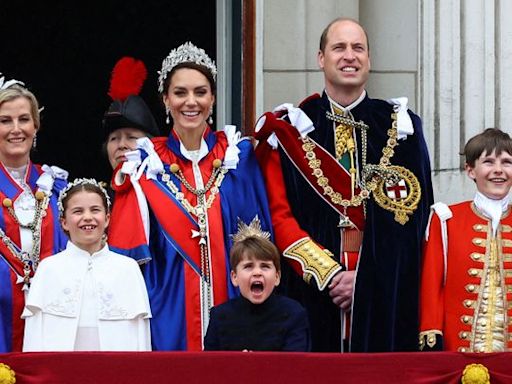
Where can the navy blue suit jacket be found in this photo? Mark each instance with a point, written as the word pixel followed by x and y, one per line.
pixel 278 324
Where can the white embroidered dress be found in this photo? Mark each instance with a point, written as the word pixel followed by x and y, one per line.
pixel 79 301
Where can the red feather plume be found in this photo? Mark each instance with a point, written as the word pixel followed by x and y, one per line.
pixel 127 79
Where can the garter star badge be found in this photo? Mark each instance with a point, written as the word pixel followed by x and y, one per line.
pixel 400 197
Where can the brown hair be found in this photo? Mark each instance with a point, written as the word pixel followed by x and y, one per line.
pixel 191 65
pixel 489 141
pixel 17 91
pixel 85 187
pixel 257 247
pixel 323 37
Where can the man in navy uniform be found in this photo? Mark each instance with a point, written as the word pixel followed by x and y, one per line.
pixel 349 184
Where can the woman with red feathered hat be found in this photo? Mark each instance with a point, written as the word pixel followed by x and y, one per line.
pixel 128 118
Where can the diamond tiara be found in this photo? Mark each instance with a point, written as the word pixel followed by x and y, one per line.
pixel 6 84
pixel 76 182
pixel 185 53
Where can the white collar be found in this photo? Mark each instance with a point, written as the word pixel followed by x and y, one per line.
pixel 196 155
pixel 18 174
pixel 493 209
pixel 75 250
pixel 350 106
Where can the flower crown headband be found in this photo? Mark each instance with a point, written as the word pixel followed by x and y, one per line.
pixel 185 53
pixel 7 84
pixel 252 230
pixel 80 182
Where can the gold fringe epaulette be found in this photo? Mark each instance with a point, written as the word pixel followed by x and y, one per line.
pixel 315 261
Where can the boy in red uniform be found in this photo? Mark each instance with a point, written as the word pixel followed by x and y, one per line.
pixel 466 283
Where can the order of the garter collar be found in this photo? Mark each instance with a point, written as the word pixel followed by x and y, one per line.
pixel 174 168
pixel 7 203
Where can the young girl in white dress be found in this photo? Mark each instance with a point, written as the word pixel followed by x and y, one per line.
pixel 87 298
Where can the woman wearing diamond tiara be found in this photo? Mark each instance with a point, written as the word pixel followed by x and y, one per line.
pixel 186 193
pixel 29 229
pixel 87 298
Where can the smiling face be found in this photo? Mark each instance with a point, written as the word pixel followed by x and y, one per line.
pixel 121 141
pixel 17 131
pixel 189 99
pixel 492 174
pixel 345 61
pixel 85 219
pixel 255 278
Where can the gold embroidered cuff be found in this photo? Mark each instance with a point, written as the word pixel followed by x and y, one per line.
pixel 428 338
pixel 315 261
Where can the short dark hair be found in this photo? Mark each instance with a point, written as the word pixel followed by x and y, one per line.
pixel 257 247
pixel 489 141
pixel 323 36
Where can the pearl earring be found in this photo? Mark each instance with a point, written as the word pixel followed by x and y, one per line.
pixel 210 118
pixel 167 112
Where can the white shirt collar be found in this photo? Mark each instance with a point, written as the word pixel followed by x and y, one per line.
pixel 18 174
pixel 196 155
pixel 493 209
pixel 75 250
pixel 348 107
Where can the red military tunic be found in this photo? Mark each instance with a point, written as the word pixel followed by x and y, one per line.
pixel 450 308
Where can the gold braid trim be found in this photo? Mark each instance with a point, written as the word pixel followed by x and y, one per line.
pixel 429 338
pixel 315 261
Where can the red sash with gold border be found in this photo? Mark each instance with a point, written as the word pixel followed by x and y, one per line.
pixel 337 176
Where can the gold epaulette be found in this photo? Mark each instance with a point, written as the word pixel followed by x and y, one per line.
pixel 428 338
pixel 315 261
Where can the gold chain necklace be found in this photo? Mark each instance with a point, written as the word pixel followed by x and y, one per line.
pixel 203 203
pixel 371 173
pixel 30 260
pixel 200 210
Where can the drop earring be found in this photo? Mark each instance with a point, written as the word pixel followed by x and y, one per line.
pixel 210 118
pixel 34 142
pixel 167 112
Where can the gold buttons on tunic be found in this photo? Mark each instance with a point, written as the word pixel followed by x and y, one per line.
pixel 478 241
pixel 473 272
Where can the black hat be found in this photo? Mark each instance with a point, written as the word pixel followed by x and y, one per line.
pixel 128 110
